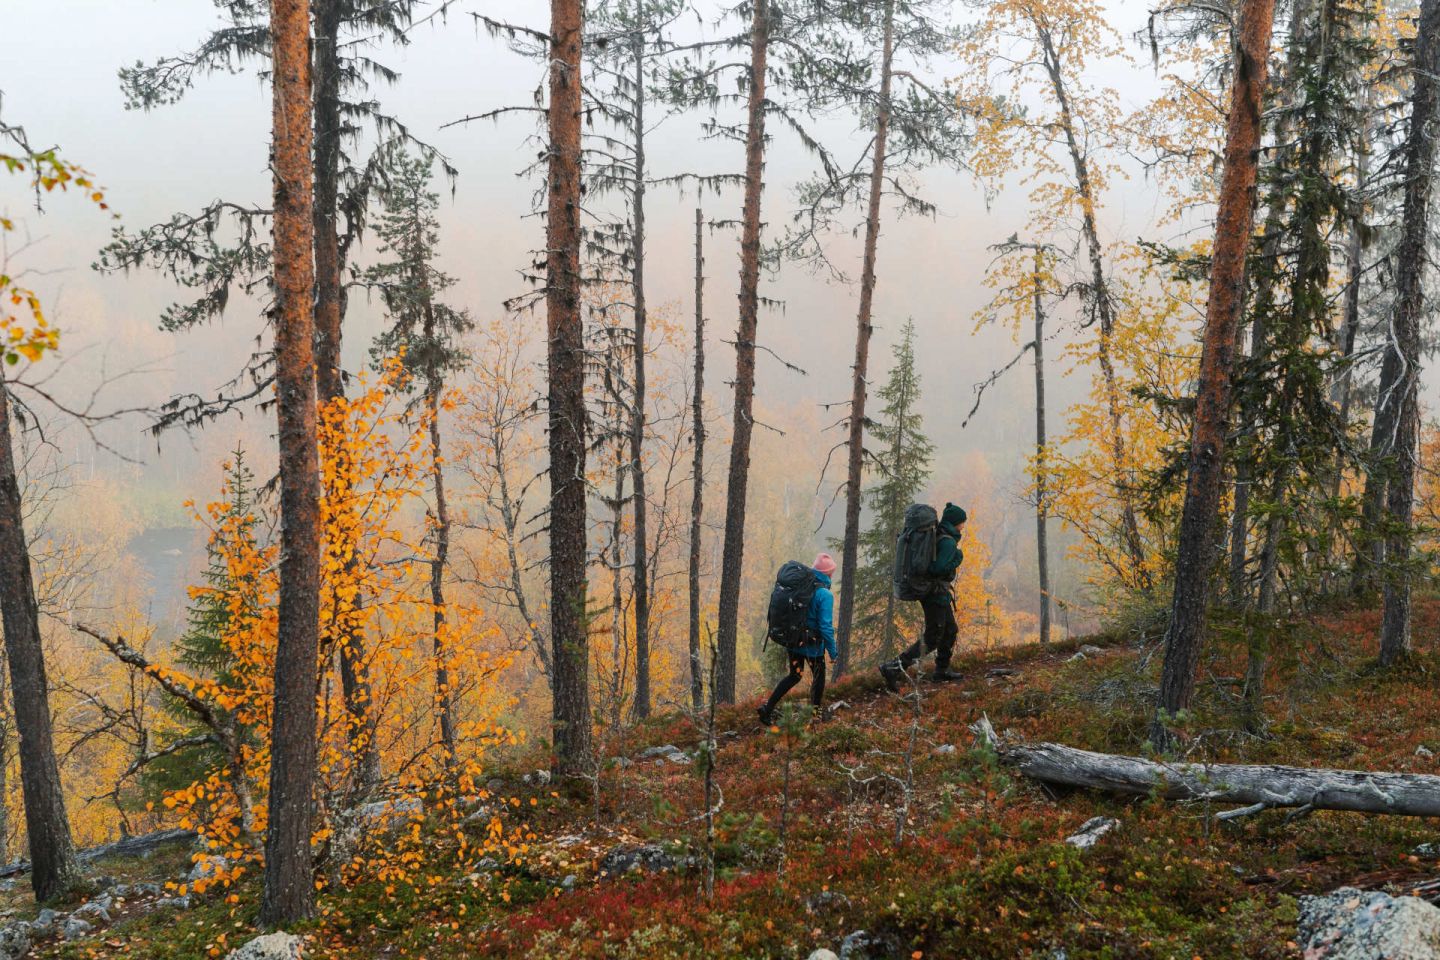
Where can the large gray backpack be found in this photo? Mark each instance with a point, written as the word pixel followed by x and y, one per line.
pixel 915 551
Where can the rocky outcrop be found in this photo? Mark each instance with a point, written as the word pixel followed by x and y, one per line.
pixel 272 946
pixel 1351 924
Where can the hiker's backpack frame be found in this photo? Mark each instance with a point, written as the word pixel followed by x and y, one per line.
pixel 915 548
pixel 788 618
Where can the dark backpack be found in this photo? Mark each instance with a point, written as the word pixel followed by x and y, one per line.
pixel 915 551
pixel 790 605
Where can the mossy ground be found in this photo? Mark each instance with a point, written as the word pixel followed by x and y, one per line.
pixel 982 870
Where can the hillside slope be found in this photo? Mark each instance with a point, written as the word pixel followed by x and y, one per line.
pixel 982 869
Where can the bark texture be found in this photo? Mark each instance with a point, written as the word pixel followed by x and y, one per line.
pixel 855 468
pixel 697 470
pixel 733 552
pixel 1234 221
pixel 52 851
pixel 1042 506
pixel 570 714
pixel 637 419
pixel 289 894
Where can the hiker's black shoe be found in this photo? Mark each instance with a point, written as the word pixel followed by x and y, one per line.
pixel 945 675
pixel 767 718
pixel 893 675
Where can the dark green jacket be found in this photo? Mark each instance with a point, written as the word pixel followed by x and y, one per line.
pixel 948 555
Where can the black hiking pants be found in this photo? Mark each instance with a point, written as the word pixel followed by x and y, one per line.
pixel 797 669
pixel 940 632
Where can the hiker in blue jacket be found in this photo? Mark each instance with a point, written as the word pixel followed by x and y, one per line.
pixel 938 606
pixel 821 623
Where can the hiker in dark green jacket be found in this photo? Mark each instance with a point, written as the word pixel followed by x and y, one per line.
pixel 938 607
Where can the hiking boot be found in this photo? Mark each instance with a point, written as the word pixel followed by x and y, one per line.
pixel 945 675
pixel 893 674
pixel 766 715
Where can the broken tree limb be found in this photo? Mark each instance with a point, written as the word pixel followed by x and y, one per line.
pixel 1254 787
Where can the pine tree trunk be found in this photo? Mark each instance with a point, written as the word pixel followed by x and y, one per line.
pixel 1410 258
pixel 733 552
pixel 637 424
pixel 1041 491
pixel 444 692
pixel 1104 309
pixel 54 869
pixel 329 380
pixel 570 714
pixel 863 328
pixel 1234 221
pixel 289 894
pixel 697 471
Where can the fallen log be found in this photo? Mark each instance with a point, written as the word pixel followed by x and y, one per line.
pixel 124 847
pixel 1255 786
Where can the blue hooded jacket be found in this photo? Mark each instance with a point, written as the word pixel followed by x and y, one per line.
pixel 820 620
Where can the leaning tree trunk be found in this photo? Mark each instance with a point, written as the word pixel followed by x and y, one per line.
pixel 1234 221
pixel 1104 308
pixel 733 552
pixel 289 894
pixel 1041 506
pixel 329 380
pixel 637 420
pixel 863 328
pixel 697 471
pixel 1410 258
pixel 1258 786
pixel 570 713
pixel 52 853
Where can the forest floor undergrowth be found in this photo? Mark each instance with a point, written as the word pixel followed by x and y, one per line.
pixel 982 870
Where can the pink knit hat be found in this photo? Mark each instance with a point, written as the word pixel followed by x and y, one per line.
pixel 824 564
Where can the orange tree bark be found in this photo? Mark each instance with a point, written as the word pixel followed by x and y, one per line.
pixel 570 713
pixel 289 883
pixel 1234 221
pixel 1410 259
pixel 54 869
pixel 733 552
pixel 863 328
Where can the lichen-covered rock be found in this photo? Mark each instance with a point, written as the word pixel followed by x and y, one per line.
pixel 15 940
pixel 206 867
pixel 1091 831
pixel 644 858
pixel 864 945
pixel 75 928
pixel 272 946
pixel 1351 924
pixel 93 912
pixel 822 954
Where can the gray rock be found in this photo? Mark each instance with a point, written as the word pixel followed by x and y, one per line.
pixel 944 750
pixel 15 940
pixel 1424 752
pixel 569 881
pixel 826 901
pixel 540 778
pixel 45 923
pixel 206 867
pixel 822 954
pixel 173 903
pixel 667 752
pixel 146 890
pixel 75 928
pixel 494 783
pixel 272 946
pixel 623 763
pixel 863 945
pixel 1091 831
pixel 92 912
pixel 644 858
pixel 388 811
pixel 1351 924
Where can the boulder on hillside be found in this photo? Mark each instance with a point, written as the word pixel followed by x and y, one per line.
pixel 15 940
pixel 864 945
pixel 1351 924
pixel 272 946
pixel 823 954
pixel 641 858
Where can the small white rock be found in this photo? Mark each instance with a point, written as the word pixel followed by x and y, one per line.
pixel 272 946
pixel 823 954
